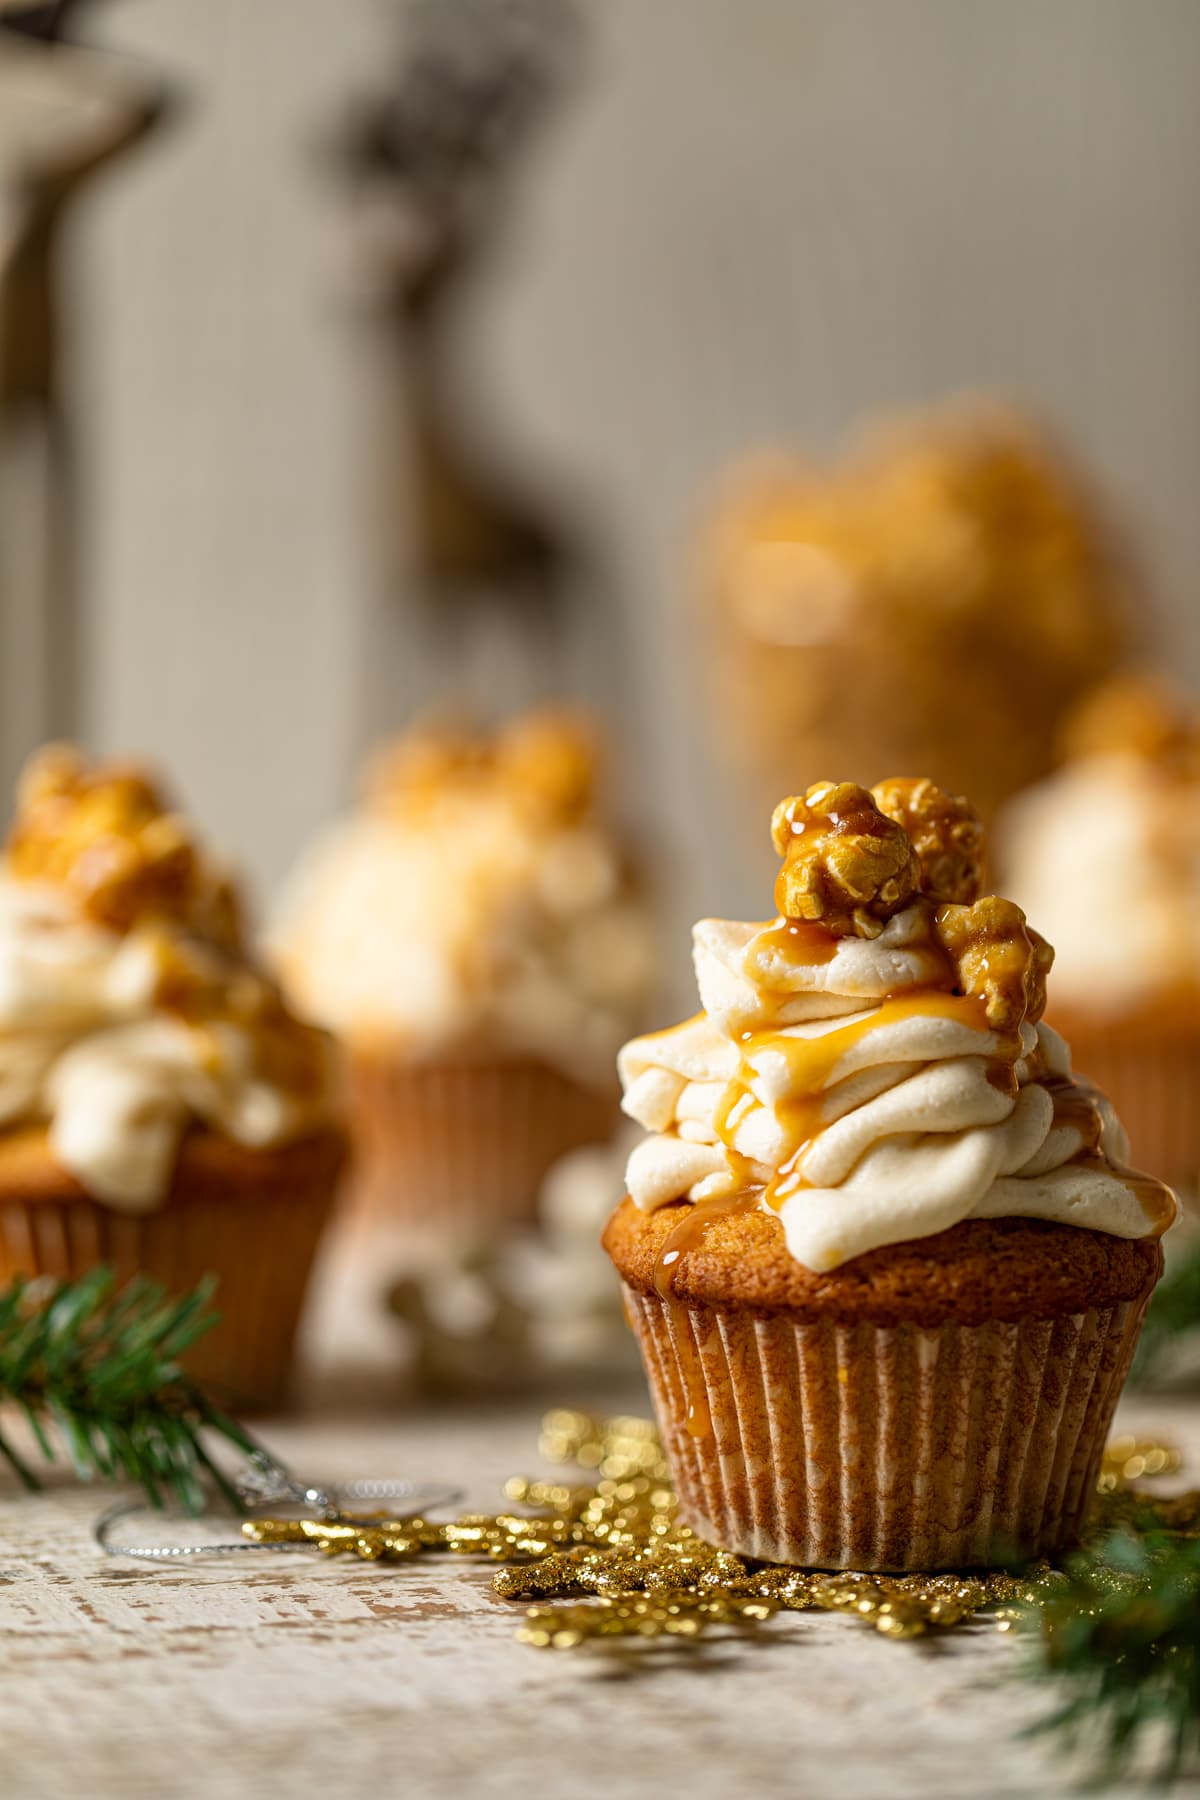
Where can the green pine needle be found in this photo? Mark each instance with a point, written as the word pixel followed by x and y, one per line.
pixel 94 1370
pixel 1173 1315
pixel 1122 1632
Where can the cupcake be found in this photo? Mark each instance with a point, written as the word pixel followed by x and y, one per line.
pixel 160 1109
pixel 1106 854
pixel 957 565
pixel 882 1252
pixel 476 937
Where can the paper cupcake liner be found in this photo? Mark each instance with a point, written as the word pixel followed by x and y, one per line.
pixel 1154 1083
pixel 260 1245
pixel 869 1447
pixel 459 1150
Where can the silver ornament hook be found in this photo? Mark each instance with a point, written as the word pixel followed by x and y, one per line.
pixel 266 1482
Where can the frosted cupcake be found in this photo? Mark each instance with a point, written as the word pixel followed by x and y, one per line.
pixel 882 1252
pixel 160 1109
pixel 475 935
pixel 957 565
pixel 1107 854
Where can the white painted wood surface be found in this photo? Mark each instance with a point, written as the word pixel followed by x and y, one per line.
pixel 251 1680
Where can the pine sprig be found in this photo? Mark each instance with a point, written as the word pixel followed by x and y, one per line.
pixel 1122 1630
pixel 95 1370
pixel 1173 1315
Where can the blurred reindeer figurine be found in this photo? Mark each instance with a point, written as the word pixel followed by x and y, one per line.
pixel 429 161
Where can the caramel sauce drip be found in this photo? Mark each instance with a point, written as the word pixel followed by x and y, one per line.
pixel 1154 1196
pixel 1076 1104
pixel 1002 1076
pixel 811 1064
pixel 685 1236
pixel 687 1233
pixel 799 942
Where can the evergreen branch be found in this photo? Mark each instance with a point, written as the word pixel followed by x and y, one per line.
pixel 1173 1314
pixel 1122 1630
pixel 95 1371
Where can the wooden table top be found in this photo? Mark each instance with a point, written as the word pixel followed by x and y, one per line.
pixel 275 1676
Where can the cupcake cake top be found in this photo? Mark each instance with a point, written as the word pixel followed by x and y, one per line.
pixel 872 1065
pixel 1107 852
pixel 130 1007
pixel 477 902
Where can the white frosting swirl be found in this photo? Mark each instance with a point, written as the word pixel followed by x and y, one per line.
pixel 86 1047
pixel 1106 854
pixel 861 1102
pixel 469 923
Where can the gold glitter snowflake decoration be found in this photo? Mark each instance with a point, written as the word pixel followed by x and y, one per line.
pixel 610 1558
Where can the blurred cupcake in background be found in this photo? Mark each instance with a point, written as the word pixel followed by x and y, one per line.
pixel 476 936
pixel 161 1110
pixel 936 600
pixel 1106 854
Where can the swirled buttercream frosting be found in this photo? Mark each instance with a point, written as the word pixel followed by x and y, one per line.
pixel 130 1009
pixel 871 1064
pixel 478 901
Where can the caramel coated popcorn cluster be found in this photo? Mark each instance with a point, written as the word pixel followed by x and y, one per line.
pixel 545 762
pixel 853 857
pixel 946 834
pixel 939 597
pixel 108 836
pixel 998 957
pixel 845 865
pixel 1137 714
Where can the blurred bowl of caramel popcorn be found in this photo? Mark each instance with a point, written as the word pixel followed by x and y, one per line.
pixel 1105 854
pixel 478 937
pixel 936 599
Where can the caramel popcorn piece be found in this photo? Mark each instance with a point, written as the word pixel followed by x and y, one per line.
pixel 945 831
pixel 997 957
pixel 422 764
pixel 846 866
pixel 544 761
pixel 550 757
pixel 107 835
pixel 1138 714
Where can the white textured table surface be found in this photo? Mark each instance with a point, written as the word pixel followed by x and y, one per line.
pixel 285 1676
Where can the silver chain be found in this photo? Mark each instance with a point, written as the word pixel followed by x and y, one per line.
pixel 266 1482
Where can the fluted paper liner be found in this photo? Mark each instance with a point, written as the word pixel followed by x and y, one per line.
pixel 870 1447
pixel 260 1246
pixel 461 1148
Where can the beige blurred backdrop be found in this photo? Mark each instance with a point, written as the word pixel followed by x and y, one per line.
pixel 752 221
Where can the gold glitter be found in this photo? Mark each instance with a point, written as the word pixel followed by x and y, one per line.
pixel 1129 1459
pixel 610 1558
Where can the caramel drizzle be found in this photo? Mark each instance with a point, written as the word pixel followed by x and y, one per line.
pixel 683 1236
pixel 1076 1104
pixel 812 1064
